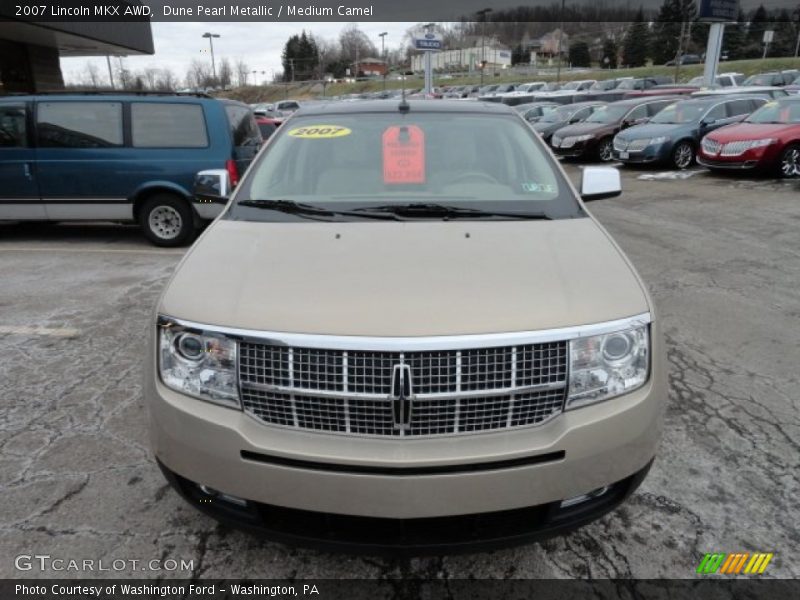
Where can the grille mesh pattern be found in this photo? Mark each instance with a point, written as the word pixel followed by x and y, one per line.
pixel 734 148
pixel 351 391
pixel 428 416
pixel 710 146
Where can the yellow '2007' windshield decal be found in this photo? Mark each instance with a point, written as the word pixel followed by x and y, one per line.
pixel 319 132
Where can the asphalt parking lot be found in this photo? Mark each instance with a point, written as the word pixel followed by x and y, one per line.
pixel 721 256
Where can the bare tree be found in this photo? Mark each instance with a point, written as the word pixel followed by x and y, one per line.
pixel 91 77
pixel 355 45
pixel 241 71
pixel 150 77
pixel 166 82
pixel 199 75
pixel 225 73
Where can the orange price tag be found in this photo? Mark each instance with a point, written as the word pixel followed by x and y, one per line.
pixel 403 155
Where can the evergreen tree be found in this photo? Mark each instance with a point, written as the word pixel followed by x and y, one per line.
pixel 733 40
pixel 635 46
pixel 579 55
pixel 758 24
pixel 610 52
pixel 785 36
pixel 668 27
pixel 300 58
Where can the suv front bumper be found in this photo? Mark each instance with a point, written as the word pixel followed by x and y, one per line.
pixel 513 482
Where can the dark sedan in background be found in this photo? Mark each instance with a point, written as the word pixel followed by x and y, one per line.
pixel 673 135
pixel 563 116
pixel 532 112
pixel 594 137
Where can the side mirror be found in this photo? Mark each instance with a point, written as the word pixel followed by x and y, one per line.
pixel 600 182
pixel 707 122
pixel 213 185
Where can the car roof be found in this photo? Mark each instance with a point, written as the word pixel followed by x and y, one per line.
pixel 392 106
pixel 642 100
pixel 116 97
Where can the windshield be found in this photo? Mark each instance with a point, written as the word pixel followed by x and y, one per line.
pixel 776 112
pixel 603 85
pixel 607 114
pixel 680 112
pixel 558 115
pixel 572 85
pixel 628 84
pixel 369 159
pixel 759 80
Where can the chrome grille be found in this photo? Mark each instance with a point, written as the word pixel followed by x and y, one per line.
pixel 710 146
pixel 734 148
pixel 638 145
pixel 452 391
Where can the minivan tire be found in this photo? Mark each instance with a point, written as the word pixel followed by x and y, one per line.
pixel 167 220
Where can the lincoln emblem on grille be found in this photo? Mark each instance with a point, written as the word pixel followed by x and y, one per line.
pixel 401 397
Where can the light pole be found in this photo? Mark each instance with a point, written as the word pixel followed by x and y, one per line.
pixel 211 37
pixel 560 36
pixel 482 14
pixel 383 57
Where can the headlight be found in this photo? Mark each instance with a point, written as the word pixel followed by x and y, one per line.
pixel 761 143
pixel 199 364
pixel 583 138
pixel 604 366
pixel 658 140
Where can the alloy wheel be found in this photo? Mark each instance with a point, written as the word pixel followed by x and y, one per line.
pixel 605 151
pixel 790 163
pixel 683 156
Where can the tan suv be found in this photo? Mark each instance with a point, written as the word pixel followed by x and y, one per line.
pixel 405 334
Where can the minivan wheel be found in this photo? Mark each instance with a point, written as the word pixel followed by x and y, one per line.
pixel 605 150
pixel 790 161
pixel 167 220
pixel 683 155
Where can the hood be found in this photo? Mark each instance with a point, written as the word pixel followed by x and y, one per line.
pixel 404 279
pixel 584 128
pixel 752 131
pixel 651 130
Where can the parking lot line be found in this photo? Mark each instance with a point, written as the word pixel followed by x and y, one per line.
pixel 87 250
pixel 63 332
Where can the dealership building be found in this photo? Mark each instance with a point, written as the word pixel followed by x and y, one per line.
pixel 30 50
pixel 465 58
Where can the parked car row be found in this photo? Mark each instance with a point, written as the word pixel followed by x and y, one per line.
pixel 721 131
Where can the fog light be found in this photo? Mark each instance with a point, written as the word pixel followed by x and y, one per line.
pixel 575 500
pixel 216 494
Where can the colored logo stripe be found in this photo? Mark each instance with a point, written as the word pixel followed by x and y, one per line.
pixel 732 564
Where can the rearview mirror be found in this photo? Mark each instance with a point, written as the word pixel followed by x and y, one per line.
pixel 600 182
pixel 212 185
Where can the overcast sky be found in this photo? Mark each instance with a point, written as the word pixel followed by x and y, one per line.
pixel 258 44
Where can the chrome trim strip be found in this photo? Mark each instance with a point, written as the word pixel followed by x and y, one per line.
pixel 416 344
pixel 279 389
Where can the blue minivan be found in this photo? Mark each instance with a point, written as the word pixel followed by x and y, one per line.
pixel 120 157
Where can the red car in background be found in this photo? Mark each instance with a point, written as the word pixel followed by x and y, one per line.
pixel 267 125
pixel 768 141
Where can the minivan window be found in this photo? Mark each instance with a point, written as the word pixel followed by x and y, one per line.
pixel 79 124
pixel 244 130
pixel 168 125
pixel 12 126
pixel 407 157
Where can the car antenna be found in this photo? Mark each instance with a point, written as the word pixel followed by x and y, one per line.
pixel 403 107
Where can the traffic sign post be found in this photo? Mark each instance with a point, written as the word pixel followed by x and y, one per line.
pixel 429 42
pixel 716 12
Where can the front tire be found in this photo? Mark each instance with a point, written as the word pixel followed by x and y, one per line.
pixel 789 165
pixel 605 150
pixel 683 155
pixel 167 220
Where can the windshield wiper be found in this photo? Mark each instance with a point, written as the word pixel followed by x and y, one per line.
pixel 443 211
pixel 298 208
